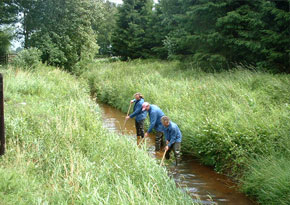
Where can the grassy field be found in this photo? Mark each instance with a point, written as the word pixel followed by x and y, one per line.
pixel 59 153
pixel 237 121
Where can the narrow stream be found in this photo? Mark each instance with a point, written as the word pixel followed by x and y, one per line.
pixel 199 181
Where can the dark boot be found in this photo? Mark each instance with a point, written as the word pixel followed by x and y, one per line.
pixel 140 128
pixel 158 141
pixel 167 155
pixel 177 152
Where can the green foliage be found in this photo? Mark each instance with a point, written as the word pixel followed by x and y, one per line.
pixel 211 34
pixel 268 179
pixel 16 187
pixel 63 31
pixel 105 27
pixel 27 58
pixel 158 31
pixel 5 39
pixel 130 39
pixel 247 32
pixel 8 12
pixel 59 153
pixel 226 118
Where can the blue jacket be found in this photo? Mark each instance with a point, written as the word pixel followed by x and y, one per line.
pixel 137 111
pixel 155 114
pixel 172 133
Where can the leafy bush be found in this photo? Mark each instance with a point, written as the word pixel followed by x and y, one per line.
pixel 27 58
pixel 5 38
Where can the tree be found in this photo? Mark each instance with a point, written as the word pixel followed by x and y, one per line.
pixel 62 30
pixel 5 39
pixel 104 26
pixel 218 34
pixel 130 39
pixel 27 17
pixel 156 34
pixel 275 35
pixel 8 13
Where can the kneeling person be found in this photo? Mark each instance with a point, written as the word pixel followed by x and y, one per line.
pixel 173 138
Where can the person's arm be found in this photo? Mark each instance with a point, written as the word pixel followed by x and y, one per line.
pixel 173 136
pixel 153 120
pixel 137 111
pixel 132 101
pixel 166 135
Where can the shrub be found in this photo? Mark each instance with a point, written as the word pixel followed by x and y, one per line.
pixel 27 58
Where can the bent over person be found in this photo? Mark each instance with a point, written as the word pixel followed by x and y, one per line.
pixel 173 138
pixel 155 114
pixel 138 114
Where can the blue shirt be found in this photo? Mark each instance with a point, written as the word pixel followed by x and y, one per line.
pixel 172 133
pixel 137 111
pixel 155 114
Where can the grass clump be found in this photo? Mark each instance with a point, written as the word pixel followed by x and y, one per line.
pixel 59 153
pixel 226 118
pixel 268 180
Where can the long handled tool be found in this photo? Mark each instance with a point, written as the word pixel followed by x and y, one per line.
pixel 140 143
pixel 163 157
pixel 127 115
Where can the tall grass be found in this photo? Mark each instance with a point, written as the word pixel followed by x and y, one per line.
pixel 59 153
pixel 268 179
pixel 226 118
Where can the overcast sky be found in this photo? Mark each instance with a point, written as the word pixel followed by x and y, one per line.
pixel 116 1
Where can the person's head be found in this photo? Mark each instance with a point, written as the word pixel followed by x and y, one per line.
pixel 165 121
pixel 138 96
pixel 145 106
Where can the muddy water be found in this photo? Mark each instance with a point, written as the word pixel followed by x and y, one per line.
pixel 200 182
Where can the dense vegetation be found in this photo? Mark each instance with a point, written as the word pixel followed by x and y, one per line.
pixel 132 35
pixel 211 34
pixel 59 153
pixel 236 121
pixel 7 16
pixel 64 31
pixel 233 114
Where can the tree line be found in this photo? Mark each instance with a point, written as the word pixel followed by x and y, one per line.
pixel 66 32
pixel 213 34
pixel 210 33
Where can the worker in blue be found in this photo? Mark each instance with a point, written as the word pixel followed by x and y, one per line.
pixel 138 114
pixel 155 114
pixel 173 138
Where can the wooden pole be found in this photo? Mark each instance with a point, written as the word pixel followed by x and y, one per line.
pixel 125 119
pixel 140 143
pixel 129 109
pixel 2 128
pixel 163 157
